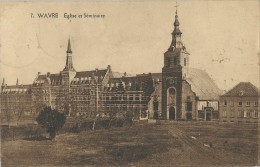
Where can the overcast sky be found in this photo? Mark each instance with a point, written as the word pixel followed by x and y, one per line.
pixel 222 38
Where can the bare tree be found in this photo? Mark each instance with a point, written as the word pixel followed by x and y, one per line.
pixel 8 115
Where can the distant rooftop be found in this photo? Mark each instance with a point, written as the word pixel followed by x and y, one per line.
pixel 245 89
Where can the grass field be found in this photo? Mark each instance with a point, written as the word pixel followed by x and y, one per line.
pixel 161 144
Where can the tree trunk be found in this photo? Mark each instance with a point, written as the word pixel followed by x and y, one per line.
pixel 52 134
pixel 93 126
pixel 109 123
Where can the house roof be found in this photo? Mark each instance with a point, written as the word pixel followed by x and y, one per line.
pixel 203 86
pixel 244 89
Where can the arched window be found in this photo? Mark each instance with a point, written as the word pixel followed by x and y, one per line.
pixel 171 91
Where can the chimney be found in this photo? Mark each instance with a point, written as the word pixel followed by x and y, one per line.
pixel 125 74
pixel 108 67
pixel 39 73
pixel 48 74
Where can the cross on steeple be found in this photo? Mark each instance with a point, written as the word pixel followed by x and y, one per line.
pixel 176 7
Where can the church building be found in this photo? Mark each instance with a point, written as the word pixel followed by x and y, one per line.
pixel 184 93
pixel 178 92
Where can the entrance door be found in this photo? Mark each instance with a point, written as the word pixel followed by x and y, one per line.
pixel 208 113
pixel 171 113
pixel 155 110
pixel 208 116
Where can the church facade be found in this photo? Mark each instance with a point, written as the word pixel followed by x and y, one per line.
pixel 178 92
pixel 183 92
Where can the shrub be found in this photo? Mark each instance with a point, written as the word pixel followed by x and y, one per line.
pixel 51 120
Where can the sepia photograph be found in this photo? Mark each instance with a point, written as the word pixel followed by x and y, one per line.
pixel 129 83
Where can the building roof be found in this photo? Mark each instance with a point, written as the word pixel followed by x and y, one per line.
pixel 202 85
pixel 157 77
pixel 89 76
pixel 80 77
pixel 119 74
pixel 141 82
pixel 244 89
pixel 11 89
pixel 96 72
pixel 54 79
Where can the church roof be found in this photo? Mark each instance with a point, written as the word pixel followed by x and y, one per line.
pixel 202 85
pixel 244 89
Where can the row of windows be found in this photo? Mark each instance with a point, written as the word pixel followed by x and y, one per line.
pixel 15 92
pixel 52 90
pixel 124 97
pixel 240 103
pixel 245 114
pixel 112 106
pixel 16 99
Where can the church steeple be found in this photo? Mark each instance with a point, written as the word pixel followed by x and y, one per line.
pixel 176 34
pixel 17 81
pixel 176 24
pixel 69 64
pixel 69 47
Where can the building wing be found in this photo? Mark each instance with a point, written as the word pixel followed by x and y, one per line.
pixel 141 82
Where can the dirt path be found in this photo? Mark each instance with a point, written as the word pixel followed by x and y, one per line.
pixel 195 150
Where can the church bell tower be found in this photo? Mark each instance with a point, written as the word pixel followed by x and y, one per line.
pixel 176 62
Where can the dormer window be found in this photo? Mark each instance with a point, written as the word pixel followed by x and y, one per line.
pixel 241 93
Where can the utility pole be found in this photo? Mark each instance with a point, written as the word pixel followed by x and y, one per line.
pixel 96 79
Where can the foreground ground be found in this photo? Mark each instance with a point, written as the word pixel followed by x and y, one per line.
pixel 159 144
